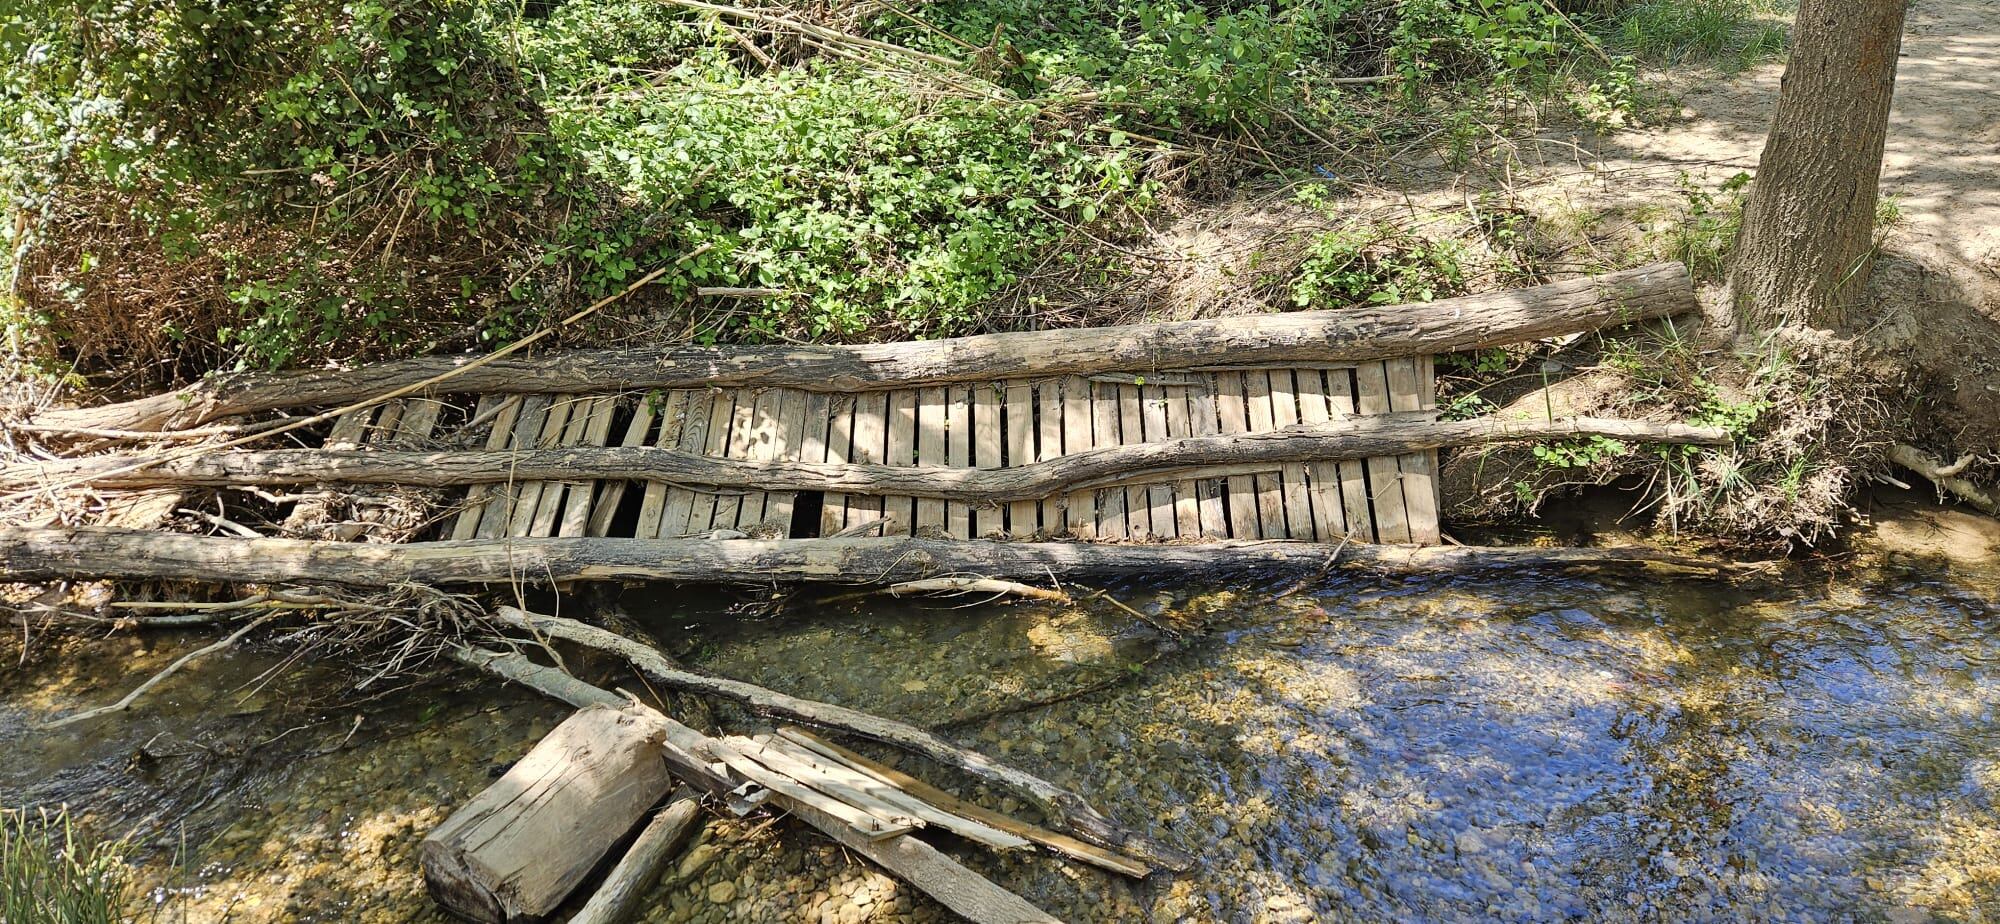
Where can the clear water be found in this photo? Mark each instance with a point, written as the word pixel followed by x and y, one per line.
pixel 1524 748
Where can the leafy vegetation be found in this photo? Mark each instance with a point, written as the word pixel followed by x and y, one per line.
pixel 275 182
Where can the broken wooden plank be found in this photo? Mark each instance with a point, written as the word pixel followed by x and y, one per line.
pixel 528 426
pixel 839 446
pixel 747 766
pixel 853 778
pixel 661 503
pixel 778 509
pixel 613 492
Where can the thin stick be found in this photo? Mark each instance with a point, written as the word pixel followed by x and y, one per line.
pixel 154 680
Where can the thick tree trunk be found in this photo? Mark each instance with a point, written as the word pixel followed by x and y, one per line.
pixel 1382 435
pixel 1382 332
pixel 28 554
pixel 1807 242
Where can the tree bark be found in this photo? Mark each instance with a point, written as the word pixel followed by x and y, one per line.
pixel 33 554
pixel 1471 322
pixel 1806 247
pixel 1360 438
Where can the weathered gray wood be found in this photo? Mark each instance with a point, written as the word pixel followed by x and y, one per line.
pixel 1345 335
pixel 40 554
pixel 1382 435
pixel 515 851
pixel 617 899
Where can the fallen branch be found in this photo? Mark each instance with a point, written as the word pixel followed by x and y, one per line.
pixel 617 900
pixel 40 554
pixel 1359 438
pixel 1065 809
pixel 153 681
pixel 1945 477
pixel 972 585
pixel 921 865
pixel 1471 322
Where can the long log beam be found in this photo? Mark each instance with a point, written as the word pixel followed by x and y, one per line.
pixel 1383 435
pixel 31 554
pixel 1351 335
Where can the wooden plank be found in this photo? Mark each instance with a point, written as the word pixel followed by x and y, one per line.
pixel 500 430
pixel 386 419
pixel 988 432
pixel 715 439
pixel 1022 520
pixel 657 505
pixel 420 417
pixel 1285 411
pixel 1408 388
pixel 791 437
pixel 1322 478
pixel 839 444
pixel 736 443
pixel 1111 521
pixel 1049 445
pixel 550 502
pixel 612 493
pixel 830 765
pixel 902 450
pixel 1356 512
pixel 759 443
pixel 1159 497
pixel 348 429
pixel 1187 502
pixel 958 454
pixel 1132 430
pixel 1385 477
pixel 1270 486
pixel 931 424
pixel 577 495
pixel 1080 507
pixel 528 427
pixel 528 495
pixel 1210 493
pixel 833 782
pixel 871 440
pixel 1233 416
pixel 751 769
pixel 818 420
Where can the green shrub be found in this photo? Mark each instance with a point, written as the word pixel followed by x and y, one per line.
pixel 1359 265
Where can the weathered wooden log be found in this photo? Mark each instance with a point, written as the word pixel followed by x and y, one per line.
pixel 1064 809
pixel 963 891
pixel 617 898
pixel 1467 323
pixel 519 847
pixel 38 554
pixel 1360 438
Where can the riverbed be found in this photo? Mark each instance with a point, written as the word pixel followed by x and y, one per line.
pixel 1515 747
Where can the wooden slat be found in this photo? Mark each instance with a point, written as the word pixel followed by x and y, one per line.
pixel 1079 508
pixel 825 779
pixel 736 445
pixel 1285 411
pixel 1159 497
pixel 386 418
pixel 528 495
pixel 701 515
pixel 1233 416
pixel 1270 486
pixel 500 431
pixel 958 454
pixel 657 505
pixel 902 450
pixel 420 417
pixel 1322 478
pixel 577 494
pixel 871 440
pixel 1022 521
pixel 749 768
pixel 1210 493
pixel 1187 502
pixel 528 427
pixel 1385 477
pixel 818 420
pixel 549 503
pixel 613 493
pixel 779 507
pixel 1132 430
pixel 1356 512
pixel 1410 389
pixel 802 749
pixel 348 429
pixel 760 444
pixel 931 424
pixel 839 444
pixel 988 434
pixel 1111 522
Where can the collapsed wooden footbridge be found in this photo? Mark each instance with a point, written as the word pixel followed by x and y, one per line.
pixel 1019 453
pixel 1298 441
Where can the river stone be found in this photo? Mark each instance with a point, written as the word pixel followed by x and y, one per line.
pixel 722 893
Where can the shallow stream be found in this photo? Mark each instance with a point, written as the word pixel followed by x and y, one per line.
pixel 1521 747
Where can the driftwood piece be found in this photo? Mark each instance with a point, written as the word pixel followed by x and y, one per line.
pixel 973 585
pixel 849 778
pixel 1064 808
pixel 963 891
pixel 1359 438
pixel 617 899
pixel 40 554
pixel 519 847
pixel 1349 335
